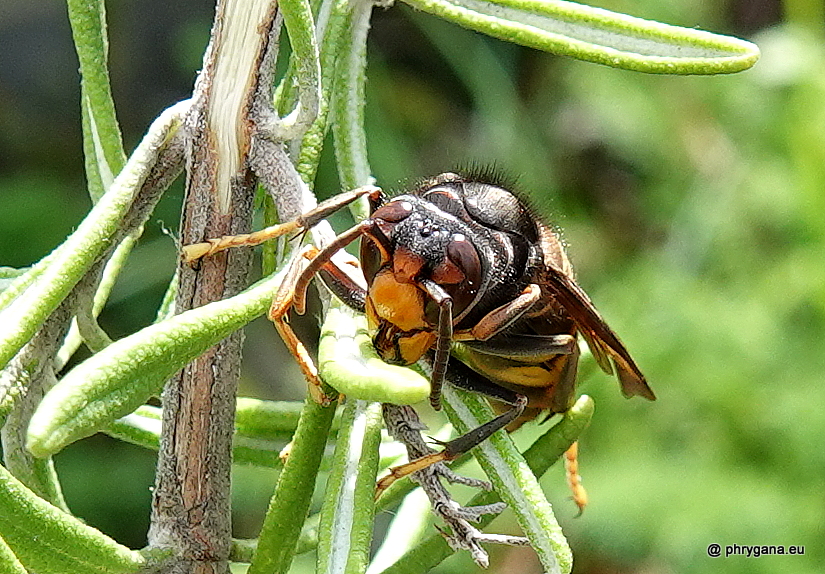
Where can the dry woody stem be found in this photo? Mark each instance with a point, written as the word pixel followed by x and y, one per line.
pixel 191 507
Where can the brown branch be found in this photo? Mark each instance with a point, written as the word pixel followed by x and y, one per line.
pixel 191 509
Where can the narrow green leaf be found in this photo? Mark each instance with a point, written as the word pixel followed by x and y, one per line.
pixel 69 262
pixel 300 26
pixel 37 474
pixel 141 428
pixel 103 152
pixel 102 143
pixel 598 35
pixel 49 541
pixel 256 418
pixel 117 380
pixel 9 274
pixel 349 100
pixel 14 285
pixel 9 564
pixel 333 21
pixel 290 503
pixel 243 550
pixel 348 362
pixel 345 531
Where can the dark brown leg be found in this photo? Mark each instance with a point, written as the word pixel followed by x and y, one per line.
pixel 443 341
pixel 499 319
pixel 463 377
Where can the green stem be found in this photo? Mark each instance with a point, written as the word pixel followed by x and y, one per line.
pixel 333 21
pixel 290 503
pixel 598 35
pixel 345 531
pixel 102 144
pixel 262 428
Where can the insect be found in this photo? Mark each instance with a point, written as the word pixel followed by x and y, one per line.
pixel 460 268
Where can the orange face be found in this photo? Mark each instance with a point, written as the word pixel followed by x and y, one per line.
pixel 395 311
pixel 411 243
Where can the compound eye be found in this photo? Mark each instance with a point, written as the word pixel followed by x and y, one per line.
pixel 461 267
pixel 464 255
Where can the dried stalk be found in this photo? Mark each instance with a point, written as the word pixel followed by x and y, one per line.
pixel 191 510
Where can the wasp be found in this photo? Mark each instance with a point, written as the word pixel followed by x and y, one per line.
pixel 462 274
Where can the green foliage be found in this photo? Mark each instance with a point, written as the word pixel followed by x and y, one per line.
pixel 45 539
pixel 348 362
pixel 693 209
pixel 117 380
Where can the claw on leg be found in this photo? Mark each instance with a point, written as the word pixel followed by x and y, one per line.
pixel 429 470
pixel 402 470
pixel 574 481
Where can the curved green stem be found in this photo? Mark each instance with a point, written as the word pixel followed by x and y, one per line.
pixel 598 35
pixel 92 239
pixel 345 530
pixel 102 143
pixel 300 26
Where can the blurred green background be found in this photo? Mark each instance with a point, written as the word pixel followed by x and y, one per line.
pixel 694 208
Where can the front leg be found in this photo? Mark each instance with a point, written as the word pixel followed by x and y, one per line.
pixel 279 313
pixel 306 221
pixel 444 339
pixel 337 280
